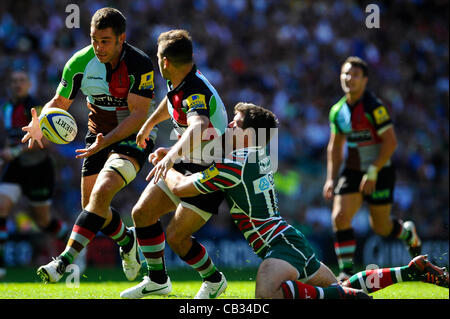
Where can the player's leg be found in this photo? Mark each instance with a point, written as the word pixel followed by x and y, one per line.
pixel 419 269
pixel 277 279
pixel 153 203
pixel 345 207
pixel 380 206
pixel 184 223
pixel 41 212
pixel 9 196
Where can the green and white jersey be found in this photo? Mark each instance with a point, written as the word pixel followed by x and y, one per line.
pixel 107 89
pixel 247 180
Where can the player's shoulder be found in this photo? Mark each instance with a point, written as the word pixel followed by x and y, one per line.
pixel 135 55
pixel 85 53
pixel 336 107
pixel 197 83
pixel 371 100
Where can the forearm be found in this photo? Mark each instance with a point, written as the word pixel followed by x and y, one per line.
pixel 189 141
pixel 334 162
pixel 385 154
pixel 180 185
pixel 128 126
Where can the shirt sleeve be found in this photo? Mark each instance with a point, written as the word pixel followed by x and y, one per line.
pixel 381 118
pixel 196 104
pixel 142 72
pixel 219 176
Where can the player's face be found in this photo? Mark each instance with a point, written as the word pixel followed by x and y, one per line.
pixel 107 46
pixel 239 137
pixel 353 80
pixel 20 84
pixel 162 66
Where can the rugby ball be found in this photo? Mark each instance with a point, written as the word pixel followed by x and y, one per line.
pixel 58 125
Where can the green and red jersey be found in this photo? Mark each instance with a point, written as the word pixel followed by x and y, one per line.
pixel 362 124
pixel 246 179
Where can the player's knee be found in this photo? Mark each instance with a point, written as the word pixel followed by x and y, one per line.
pixel 5 205
pixel 264 290
pixel 341 219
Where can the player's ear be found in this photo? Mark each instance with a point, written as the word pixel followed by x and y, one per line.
pixel 122 37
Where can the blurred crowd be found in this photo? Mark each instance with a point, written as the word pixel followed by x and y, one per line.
pixel 285 55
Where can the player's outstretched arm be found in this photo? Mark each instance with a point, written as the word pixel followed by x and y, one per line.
pixel 33 131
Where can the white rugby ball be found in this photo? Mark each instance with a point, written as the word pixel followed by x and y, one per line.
pixel 58 125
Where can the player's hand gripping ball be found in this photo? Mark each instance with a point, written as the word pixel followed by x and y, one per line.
pixel 58 125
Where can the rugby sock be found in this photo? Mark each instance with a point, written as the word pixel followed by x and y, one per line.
pixel 117 231
pixel 152 241
pixel 398 231
pixel 57 228
pixel 294 289
pixel 345 246
pixel 86 227
pixel 3 239
pixel 376 279
pixel 198 258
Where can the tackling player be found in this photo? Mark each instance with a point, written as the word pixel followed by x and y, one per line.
pixel 117 79
pixel 290 268
pixel 198 115
pixel 364 122
pixel 28 172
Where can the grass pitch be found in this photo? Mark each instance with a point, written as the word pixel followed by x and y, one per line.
pixel 108 283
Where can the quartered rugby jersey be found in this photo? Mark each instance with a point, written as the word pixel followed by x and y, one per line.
pixel 17 115
pixel 196 96
pixel 106 89
pixel 247 180
pixel 362 124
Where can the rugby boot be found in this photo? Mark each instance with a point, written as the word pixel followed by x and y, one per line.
pixel 147 287
pixel 53 271
pixel 131 262
pixel 414 243
pixel 430 273
pixel 212 290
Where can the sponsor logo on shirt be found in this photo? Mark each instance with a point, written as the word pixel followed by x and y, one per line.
pixel 196 102
pixel 209 173
pixel 147 81
pixel 381 115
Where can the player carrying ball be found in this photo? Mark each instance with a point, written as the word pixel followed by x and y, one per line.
pixel 117 79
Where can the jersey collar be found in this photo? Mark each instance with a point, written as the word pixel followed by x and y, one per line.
pixel 186 79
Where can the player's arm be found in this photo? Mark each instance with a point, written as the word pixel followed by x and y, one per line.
pixel 159 115
pixel 189 140
pixel 181 185
pixel 335 156
pixel 385 130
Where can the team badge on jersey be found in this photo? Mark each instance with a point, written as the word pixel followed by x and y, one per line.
pixel 196 102
pixel 381 115
pixel 209 173
pixel 146 81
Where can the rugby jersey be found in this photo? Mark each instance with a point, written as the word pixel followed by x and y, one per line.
pixel 107 89
pixel 196 96
pixel 362 125
pixel 246 178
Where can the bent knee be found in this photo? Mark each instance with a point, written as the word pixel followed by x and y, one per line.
pixel 341 219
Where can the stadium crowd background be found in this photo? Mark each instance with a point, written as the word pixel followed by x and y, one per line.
pixel 285 55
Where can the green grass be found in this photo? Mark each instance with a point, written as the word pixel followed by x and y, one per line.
pixel 108 283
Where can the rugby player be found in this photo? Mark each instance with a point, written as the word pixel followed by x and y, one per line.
pixel 28 172
pixel 363 123
pixel 198 116
pixel 117 79
pixel 290 268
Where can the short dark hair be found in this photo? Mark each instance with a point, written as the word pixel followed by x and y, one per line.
pixel 359 63
pixel 176 46
pixel 257 117
pixel 109 18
